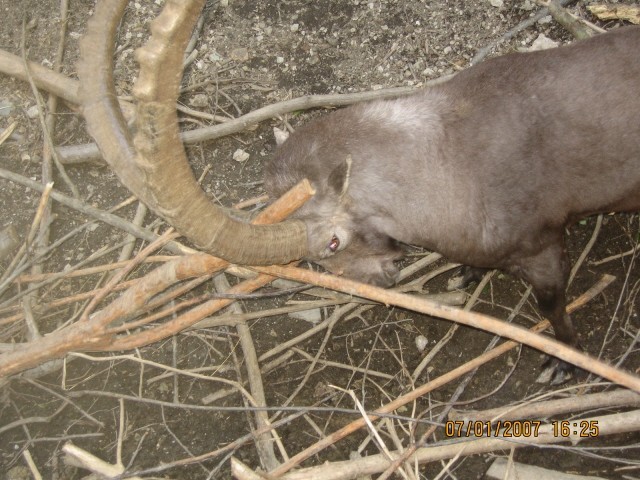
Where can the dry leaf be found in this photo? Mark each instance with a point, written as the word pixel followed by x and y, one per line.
pixel 631 13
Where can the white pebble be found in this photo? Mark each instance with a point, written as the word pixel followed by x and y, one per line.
pixel 421 343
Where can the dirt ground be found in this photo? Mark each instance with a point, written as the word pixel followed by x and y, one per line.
pixel 162 406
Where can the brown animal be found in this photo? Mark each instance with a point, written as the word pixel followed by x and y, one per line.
pixel 487 169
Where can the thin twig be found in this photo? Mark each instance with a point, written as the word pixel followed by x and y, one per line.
pixel 430 386
pixel 586 249
pixel 43 122
pixel 101 215
pixel 264 443
pixel 483 52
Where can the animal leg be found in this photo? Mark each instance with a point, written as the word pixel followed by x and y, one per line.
pixel 548 272
pixel 465 276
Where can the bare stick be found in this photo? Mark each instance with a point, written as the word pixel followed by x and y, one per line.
pixel 9 272
pixel 48 153
pixel 127 250
pixel 92 333
pixel 575 403
pixel 55 83
pixel 32 466
pixel 483 52
pixel 81 458
pixel 573 24
pixel 43 122
pixel 6 133
pixel 586 249
pixel 101 215
pixel 608 425
pixel 28 278
pixel 472 319
pixel 264 444
pixel 432 385
pixel 617 256
pixel 90 151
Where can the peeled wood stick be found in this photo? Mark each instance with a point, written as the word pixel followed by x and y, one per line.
pixel 90 152
pixel 536 409
pixel 101 215
pixel 372 464
pixel 264 443
pixel 55 83
pixel 472 319
pixel 92 333
pixel 433 385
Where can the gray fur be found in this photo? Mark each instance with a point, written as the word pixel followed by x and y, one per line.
pixel 487 169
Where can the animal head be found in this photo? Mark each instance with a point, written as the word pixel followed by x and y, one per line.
pixel 330 226
pixel 340 236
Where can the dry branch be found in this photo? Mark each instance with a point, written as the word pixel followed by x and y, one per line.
pixel 101 215
pixel 483 52
pixel 608 425
pixel 431 386
pixel 575 403
pixel 93 334
pixel 55 83
pixel 472 319
pixel 90 152
pixel 264 444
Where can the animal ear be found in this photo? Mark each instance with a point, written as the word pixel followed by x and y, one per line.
pixel 339 177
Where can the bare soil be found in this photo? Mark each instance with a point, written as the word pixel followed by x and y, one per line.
pixel 251 54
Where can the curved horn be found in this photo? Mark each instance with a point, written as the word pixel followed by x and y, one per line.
pixel 154 165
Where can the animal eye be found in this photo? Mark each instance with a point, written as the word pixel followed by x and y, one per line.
pixel 334 243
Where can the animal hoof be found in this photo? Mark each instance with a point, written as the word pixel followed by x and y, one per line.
pixel 464 277
pixel 555 372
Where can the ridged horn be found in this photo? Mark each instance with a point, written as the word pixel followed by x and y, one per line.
pixel 154 164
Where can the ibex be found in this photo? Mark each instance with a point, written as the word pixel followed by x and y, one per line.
pixel 488 168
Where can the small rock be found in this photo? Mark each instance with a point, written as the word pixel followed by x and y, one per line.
pixel 421 343
pixel 295 27
pixel 279 59
pixel 215 57
pixel 240 156
pixel 527 5
pixel 200 100
pixel 496 3
pixel 32 112
pixel 18 473
pixel 542 43
pixel 240 54
pixel 6 107
pixel 313 316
